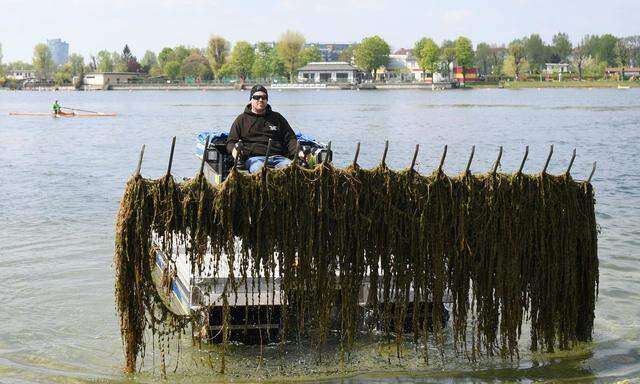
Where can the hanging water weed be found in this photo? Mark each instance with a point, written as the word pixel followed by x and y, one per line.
pixel 506 248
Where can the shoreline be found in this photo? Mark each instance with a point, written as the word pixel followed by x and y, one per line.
pixel 514 85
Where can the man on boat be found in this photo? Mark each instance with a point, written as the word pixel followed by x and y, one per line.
pixel 57 109
pixel 255 126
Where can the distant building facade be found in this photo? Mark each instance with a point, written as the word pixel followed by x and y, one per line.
pixel 466 75
pixel 59 50
pixel 105 79
pixel 328 72
pixel 329 51
pixel 553 68
pixel 22 74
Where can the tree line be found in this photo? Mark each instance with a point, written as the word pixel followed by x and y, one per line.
pixel 267 60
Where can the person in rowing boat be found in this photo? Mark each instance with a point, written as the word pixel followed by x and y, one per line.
pixel 57 109
pixel 255 126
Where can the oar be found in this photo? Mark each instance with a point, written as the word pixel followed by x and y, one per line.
pixel 76 109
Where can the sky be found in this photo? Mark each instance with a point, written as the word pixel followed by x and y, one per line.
pixel 92 25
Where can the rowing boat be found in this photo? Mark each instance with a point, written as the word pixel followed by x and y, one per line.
pixel 63 114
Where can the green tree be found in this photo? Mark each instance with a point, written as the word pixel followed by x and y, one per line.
pixel 372 53
pixel 623 55
pixel 603 48
pixel 217 52
pixel 63 76
pixel 104 62
pixel 43 61
pixel 76 62
pixel 348 54
pixel 447 57
pixel 1 66
pixel 241 59
pixel 515 62
pixel 226 70
pixel 166 55
pixel 562 46
pixel 429 56
pixel 149 60
pixel 129 60
pixel 196 66
pixel 464 54
pixel 593 68
pixel 172 69
pixel 535 52
pixel 263 64
pixel 498 55
pixel 581 54
pixel 484 58
pixel 181 52
pixel 424 51
pixel 309 55
pixel 119 65
pixel 290 48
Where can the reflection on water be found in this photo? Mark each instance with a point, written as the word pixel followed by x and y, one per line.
pixel 62 180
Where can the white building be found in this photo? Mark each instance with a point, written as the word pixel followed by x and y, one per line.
pixel 328 72
pixel 104 79
pixel 403 64
pixel 552 68
pixel 21 74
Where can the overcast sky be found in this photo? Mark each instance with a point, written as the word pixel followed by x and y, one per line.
pixel 91 25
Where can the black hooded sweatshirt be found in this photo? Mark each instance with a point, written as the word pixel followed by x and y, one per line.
pixel 256 130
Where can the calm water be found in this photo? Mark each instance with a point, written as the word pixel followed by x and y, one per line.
pixel 61 181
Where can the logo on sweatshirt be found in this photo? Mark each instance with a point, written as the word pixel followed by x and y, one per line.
pixel 272 127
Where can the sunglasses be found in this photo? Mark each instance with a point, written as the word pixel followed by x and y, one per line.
pixel 259 97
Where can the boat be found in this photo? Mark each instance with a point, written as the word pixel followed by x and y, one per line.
pixel 255 308
pixel 62 114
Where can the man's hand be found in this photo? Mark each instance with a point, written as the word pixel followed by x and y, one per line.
pixel 234 153
pixel 302 155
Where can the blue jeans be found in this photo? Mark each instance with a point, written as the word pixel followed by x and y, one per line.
pixel 254 163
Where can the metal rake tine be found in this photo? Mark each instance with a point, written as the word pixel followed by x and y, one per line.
pixel 524 159
pixel 497 163
pixel 593 170
pixel 355 158
pixel 415 156
pixel 544 170
pixel 573 157
pixel 473 150
pixel 204 156
pixel 140 161
pixel 173 146
pixel 384 154
pixel 444 155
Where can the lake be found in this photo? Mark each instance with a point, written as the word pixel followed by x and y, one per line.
pixel 62 180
